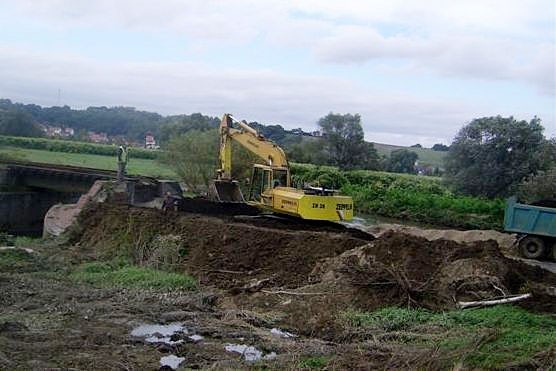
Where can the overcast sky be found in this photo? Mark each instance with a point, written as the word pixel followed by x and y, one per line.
pixel 416 71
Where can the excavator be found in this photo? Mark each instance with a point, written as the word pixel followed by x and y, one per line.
pixel 270 186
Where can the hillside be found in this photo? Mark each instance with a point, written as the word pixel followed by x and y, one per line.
pixel 426 155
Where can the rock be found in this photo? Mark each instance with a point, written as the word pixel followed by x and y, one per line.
pixel 179 315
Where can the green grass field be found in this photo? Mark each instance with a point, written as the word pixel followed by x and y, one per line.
pixel 136 166
pixel 426 155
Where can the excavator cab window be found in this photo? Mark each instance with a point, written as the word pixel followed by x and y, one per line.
pixel 280 178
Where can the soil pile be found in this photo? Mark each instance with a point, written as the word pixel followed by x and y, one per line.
pixel 222 252
pixel 402 269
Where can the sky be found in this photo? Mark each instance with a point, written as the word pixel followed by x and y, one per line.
pixel 416 71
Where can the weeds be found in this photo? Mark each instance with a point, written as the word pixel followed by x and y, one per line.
pixel 117 275
pixel 484 338
pixel 314 363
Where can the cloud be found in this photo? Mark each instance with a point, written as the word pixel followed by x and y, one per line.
pixel 262 95
pixel 488 40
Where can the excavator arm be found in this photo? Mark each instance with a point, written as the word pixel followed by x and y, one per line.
pixel 250 139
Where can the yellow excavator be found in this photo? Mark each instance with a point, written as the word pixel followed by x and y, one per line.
pixel 270 187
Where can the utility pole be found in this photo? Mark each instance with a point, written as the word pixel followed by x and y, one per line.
pixel 59 97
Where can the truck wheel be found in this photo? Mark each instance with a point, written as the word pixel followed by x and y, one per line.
pixel 532 247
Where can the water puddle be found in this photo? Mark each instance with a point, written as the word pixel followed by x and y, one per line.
pixel 171 361
pixel 248 352
pixel 195 338
pixel 282 333
pixel 160 333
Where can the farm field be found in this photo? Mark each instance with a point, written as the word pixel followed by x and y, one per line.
pixel 137 166
pixel 427 156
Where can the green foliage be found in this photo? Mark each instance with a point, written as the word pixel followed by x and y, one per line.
pixel 345 143
pixel 402 161
pixel 538 187
pixel 18 260
pixel 67 146
pixel 126 121
pixel 513 335
pixel 180 125
pixel 104 274
pixel 417 198
pixel 193 156
pixel 492 154
pixel 427 157
pixel 18 123
pixel 440 147
pixel 314 363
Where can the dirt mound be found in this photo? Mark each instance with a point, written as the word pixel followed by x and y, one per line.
pixel 220 251
pixel 402 269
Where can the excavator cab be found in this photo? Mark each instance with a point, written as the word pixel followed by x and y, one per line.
pixel 264 179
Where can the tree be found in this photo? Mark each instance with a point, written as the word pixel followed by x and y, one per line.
pixel 490 155
pixel 539 187
pixel 402 161
pixel 18 123
pixel 345 144
pixel 440 147
pixel 193 156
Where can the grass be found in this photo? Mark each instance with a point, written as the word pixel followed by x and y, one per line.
pixel 137 166
pixel 426 155
pixel 313 363
pixel 18 260
pixel 493 337
pixel 104 274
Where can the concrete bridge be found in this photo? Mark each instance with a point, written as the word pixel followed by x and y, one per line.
pixel 28 190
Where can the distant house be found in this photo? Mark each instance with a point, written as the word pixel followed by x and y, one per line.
pixel 97 137
pixel 56 131
pixel 69 132
pixel 150 142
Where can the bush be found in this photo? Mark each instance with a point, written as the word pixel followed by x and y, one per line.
pixel 404 196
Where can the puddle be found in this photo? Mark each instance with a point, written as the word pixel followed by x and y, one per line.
pixel 248 352
pixel 281 333
pixel 171 361
pixel 196 338
pixel 159 333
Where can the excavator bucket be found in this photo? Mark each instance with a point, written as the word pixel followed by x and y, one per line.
pixel 225 191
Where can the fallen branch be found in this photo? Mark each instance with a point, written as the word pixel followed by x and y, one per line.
pixel 292 293
pixel 485 303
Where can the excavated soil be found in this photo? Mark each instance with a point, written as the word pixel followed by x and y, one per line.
pixel 223 252
pixel 247 255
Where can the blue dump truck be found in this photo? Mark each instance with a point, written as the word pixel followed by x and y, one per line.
pixel 536 226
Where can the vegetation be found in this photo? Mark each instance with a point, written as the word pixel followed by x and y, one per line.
pixel 14 122
pixel 344 142
pixel 67 146
pixel 193 157
pixel 411 197
pixel 491 155
pixel 402 161
pixel 136 166
pixel 426 156
pixel 19 260
pixel 484 338
pixel 539 187
pixel 104 274
pixel 314 363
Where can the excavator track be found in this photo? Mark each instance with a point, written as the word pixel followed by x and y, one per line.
pixel 240 212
